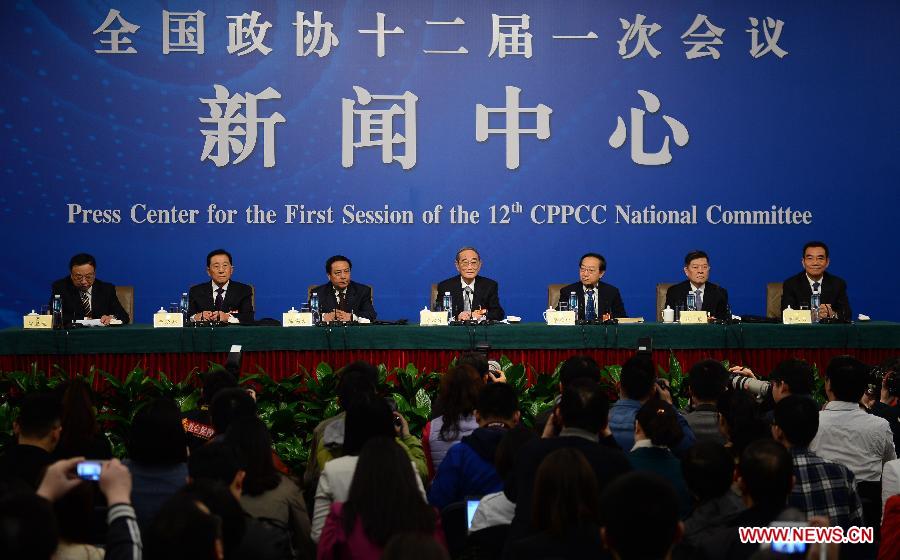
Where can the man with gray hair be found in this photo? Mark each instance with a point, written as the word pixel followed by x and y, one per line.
pixel 473 297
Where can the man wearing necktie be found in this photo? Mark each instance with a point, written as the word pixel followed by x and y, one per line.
pixel 341 299
pixel 222 299
pixel 707 296
pixel 596 299
pixel 86 297
pixel 473 297
pixel 798 289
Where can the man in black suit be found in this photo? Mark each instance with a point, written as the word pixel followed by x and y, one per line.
pixel 798 289
pixel 596 299
pixel 582 412
pixel 221 299
pixel 341 299
pixel 472 297
pixel 84 296
pixel 708 296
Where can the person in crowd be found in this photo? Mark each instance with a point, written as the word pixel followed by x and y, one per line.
pixel 84 296
pixel 37 429
pixel 221 299
pixel 29 526
pixel 414 546
pixel 267 493
pixel 367 419
pixel 495 508
pixel 184 529
pixel 798 289
pixel 80 434
pixel 820 487
pixel 197 423
pixel 708 470
pixel 707 296
pixel 157 457
pixel 740 420
pixel 489 370
pixel 384 499
pixel 765 475
pixel 566 510
pixel 637 385
pixel 583 413
pixel 640 517
pixel 457 398
pixel 889 547
pixel 341 299
pixel 74 515
pixel 596 299
pixel 790 377
pixel 579 366
pixel 885 403
pixel 228 405
pixel 850 436
pixel 707 379
pixel 473 297
pixel 468 468
pixel 656 433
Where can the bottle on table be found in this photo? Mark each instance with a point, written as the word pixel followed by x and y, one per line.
pixel 314 306
pixel 447 304
pixel 573 302
pixel 691 302
pixel 184 305
pixel 57 312
pixel 814 302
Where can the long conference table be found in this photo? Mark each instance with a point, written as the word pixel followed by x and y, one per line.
pixel 281 352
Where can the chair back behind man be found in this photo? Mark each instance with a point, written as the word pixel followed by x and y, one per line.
pixel 553 295
pixel 126 298
pixel 773 299
pixel 661 290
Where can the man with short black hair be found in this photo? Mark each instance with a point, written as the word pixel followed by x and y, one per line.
pixel 472 297
pixel 341 299
pixel 821 487
pixel 792 377
pixel 197 423
pixel 221 299
pixel 582 412
pixel 596 299
pixel 86 297
pixel 708 470
pixel 640 517
pixel 798 289
pixel 708 379
pixel 637 385
pixel 37 429
pixel 707 296
pixel 468 468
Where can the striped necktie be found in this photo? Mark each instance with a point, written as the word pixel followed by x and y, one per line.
pixel 86 304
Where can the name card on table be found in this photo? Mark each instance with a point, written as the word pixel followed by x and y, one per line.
pixel 558 318
pixel 432 318
pixel 297 319
pixel 37 321
pixel 796 316
pixel 161 319
pixel 694 317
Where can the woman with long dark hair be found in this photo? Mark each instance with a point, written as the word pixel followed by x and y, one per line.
pixel 80 436
pixel 384 500
pixel 456 402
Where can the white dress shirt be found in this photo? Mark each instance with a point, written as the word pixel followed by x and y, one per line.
pixel 232 318
pixel 596 294
pixel 854 438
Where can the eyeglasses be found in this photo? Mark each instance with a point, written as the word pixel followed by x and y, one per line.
pixel 80 277
pixel 589 270
pixel 468 263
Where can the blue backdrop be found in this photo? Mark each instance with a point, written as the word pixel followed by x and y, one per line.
pixel 815 130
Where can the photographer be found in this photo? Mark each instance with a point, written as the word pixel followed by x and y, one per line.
pixel 888 405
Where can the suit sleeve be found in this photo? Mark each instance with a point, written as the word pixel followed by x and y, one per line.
pixel 672 298
pixel 194 305
pixel 495 310
pixel 115 306
pixel 245 306
pixel 722 309
pixel 617 306
pixel 366 308
pixel 842 303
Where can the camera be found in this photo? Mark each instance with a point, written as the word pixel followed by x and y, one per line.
pixel 876 378
pixel 89 470
pixel 756 387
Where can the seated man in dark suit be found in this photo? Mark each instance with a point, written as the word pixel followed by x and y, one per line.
pixel 708 296
pixel 37 429
pixel 798 289
pixel 596 299
pixel 221 299
pixel 341 299
pixel 84 296
pixel 472 297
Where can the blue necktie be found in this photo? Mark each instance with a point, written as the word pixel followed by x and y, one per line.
pixel 219 299
pixel 589 313
pixel 699 298
pixel 815 287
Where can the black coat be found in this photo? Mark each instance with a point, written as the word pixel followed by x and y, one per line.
pixel 608 299
pixel 238 297
pixel 797 292
pixel 358 300
pixel 104 300
pixel 715 298
pixel 486 296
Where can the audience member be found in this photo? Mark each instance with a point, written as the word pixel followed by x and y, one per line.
pixel 184 529
pixel 198 423
pixel 219 462
pixel 369 418
pixel 708 379
pixel 489 370
pixel 582 412
pixel 80 436
pixel 266 493
pixel 457 400
pixel 495 508
pixel 640 517
pixel 637 385
pixel 820 487
pixel 889 548
pixel 708 471
pixel 37 429
pixel 565 510
pixel 578 366
pixel 656 433
pixel 468 468
pixel 74 513
pixel 886 404
pixel 792 377
pixel 740 420
pixel 414 546
pixel 384 499
pixel 157 457
pixel 228 405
